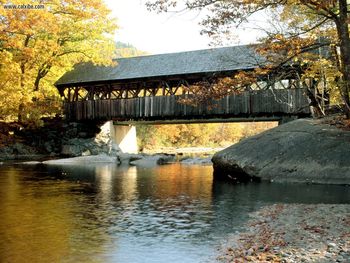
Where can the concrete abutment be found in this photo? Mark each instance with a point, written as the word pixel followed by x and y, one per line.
pixel 124 136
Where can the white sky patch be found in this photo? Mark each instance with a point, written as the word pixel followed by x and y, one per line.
pixel 163 33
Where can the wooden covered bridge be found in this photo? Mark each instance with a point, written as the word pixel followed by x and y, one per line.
pixel 149 88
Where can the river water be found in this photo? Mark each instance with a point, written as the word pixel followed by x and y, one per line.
pixel 105 213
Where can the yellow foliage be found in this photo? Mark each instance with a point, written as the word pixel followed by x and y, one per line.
pixel 38 45
pixel 207 135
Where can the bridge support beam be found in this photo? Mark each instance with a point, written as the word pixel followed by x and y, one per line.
pixel 125 137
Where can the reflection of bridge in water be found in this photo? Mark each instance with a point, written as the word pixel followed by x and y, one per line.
pixel 148 88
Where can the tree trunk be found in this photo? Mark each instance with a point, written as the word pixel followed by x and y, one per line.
pixel 344 44
pixel 20 116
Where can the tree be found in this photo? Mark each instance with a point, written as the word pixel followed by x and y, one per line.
pixel 304 21
pixel 37 45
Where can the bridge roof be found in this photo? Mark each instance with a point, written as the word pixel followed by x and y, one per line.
pixel 215 60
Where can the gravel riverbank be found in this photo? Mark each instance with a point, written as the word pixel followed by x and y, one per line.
pixel 293 233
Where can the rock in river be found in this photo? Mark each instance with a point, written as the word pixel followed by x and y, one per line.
pixel 304 150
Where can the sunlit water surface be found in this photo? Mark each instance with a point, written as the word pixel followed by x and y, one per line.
pixel 106 213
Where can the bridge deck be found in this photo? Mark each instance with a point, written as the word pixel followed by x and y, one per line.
pixel 263 103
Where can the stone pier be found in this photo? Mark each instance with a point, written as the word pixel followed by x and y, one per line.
pixel 125 137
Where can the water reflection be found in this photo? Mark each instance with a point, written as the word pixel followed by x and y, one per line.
pixel 107 213
pixel 38 222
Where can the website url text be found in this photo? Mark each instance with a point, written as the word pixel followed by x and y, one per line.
pixel 23 6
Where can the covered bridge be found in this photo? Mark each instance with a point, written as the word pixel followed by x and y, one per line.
pixel 147 88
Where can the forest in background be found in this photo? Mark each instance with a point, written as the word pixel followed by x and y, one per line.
pixel 126 50
pixel 152 137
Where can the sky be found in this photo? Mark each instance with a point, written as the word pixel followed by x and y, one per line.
pixel 161 33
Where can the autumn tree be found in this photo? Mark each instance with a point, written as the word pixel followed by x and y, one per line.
pixel 304 22
pixel 37 45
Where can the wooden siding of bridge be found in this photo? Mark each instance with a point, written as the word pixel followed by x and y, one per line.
pixel 247 104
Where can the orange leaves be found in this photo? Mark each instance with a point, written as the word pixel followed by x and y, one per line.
pixel 321 5
pixel 279 50
pixel 207 91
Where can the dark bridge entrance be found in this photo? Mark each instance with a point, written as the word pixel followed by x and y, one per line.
pixel 148 88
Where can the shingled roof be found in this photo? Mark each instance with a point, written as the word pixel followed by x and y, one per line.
pixel 215 60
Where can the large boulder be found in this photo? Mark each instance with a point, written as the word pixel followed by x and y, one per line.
pixel 100 143
pixel 300 151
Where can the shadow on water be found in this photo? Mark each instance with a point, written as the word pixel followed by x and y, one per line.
pixel 109 213
pixel 267 193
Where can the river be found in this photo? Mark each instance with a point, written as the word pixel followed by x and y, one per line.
pixel 109 213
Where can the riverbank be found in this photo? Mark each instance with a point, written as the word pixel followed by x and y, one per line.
pixel 55 139
pixel 303 151
pixel 141 160
pixel 73 142
pixel 197 151
pixel 293 233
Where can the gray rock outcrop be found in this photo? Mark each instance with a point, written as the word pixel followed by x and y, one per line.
pixel 300 151
pixel 101 143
